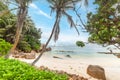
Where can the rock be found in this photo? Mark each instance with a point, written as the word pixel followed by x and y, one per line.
pixel 48 49
pixel 71 76
pixel 16 52
pixel 44 68
pixel 30 56
pixel 96 72
pixel 16 56
pixel 117 55
pixel 22 56
pixel 76 77
pixel 68 56
pixel 57 57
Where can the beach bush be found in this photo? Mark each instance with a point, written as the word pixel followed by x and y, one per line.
pixel 34 43
pixel 15 70
pixel 24 46
pixel 4 47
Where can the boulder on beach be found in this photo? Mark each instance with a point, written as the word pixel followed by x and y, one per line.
pixel 16 52
pixel 117 55
pixel 48 49
pixel 96 72
pixel 30 56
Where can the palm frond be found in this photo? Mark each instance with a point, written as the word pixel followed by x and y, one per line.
pixel 4 12
pixel 69 7
pixel 52 2
pixel 52 10
pixel 71 22
pixel 71 2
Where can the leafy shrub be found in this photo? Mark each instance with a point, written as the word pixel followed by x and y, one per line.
pixel 4 47
pixel 15 70
pixel 35 46
pixel 80 44
pixel 24 46
pixel 33 42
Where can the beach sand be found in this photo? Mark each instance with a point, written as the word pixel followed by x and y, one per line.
pixel 79 66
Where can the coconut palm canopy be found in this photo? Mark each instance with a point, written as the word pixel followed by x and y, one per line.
pixel 47 14
pixel 59 7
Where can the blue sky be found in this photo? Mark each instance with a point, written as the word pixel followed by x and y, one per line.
pixel 40 14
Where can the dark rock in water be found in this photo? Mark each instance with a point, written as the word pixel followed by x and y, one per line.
pixel 68 56
pixel 57 57
pixel 104 52
pixel 65 51
pixel 96 72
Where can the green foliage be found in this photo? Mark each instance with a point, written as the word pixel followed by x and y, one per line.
pixel 24 46
pixel 4 47
pixel 16 70
pixel 7 25
pixel 80 44
pixel 30 35
pixel 104 25
pixel 33 42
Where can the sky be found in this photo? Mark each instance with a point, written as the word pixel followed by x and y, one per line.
pixel 40 14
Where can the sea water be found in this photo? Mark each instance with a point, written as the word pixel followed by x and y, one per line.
pixel 90 50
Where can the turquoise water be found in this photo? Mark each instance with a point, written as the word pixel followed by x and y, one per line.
pixel 90 50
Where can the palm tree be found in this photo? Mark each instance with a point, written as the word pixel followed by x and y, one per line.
pixel 21 16
pixel 7 23
pixel 59 7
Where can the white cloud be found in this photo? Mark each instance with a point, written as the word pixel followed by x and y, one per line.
pixel 71 38
pixel 45 14
pixel 64 38
pixel 33 6
pixel 40 11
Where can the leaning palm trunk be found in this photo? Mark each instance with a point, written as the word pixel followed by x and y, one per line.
pixel 20 21
pixel 51 35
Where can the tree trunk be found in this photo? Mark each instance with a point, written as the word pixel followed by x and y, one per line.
pixel 20 21
pixel 44 48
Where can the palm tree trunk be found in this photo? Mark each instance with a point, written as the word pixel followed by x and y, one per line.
pixel 20 21
pixel 44 48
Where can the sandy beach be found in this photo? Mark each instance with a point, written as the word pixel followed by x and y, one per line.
pixel 78 66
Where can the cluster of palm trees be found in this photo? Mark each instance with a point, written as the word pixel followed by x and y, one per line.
pixel 60 7
pixel 29 38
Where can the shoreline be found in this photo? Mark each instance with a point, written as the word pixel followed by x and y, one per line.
pixel 78 66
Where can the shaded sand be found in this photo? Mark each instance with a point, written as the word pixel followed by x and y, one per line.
pixel 78 65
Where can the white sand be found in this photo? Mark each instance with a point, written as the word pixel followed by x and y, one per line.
pixel 79 65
